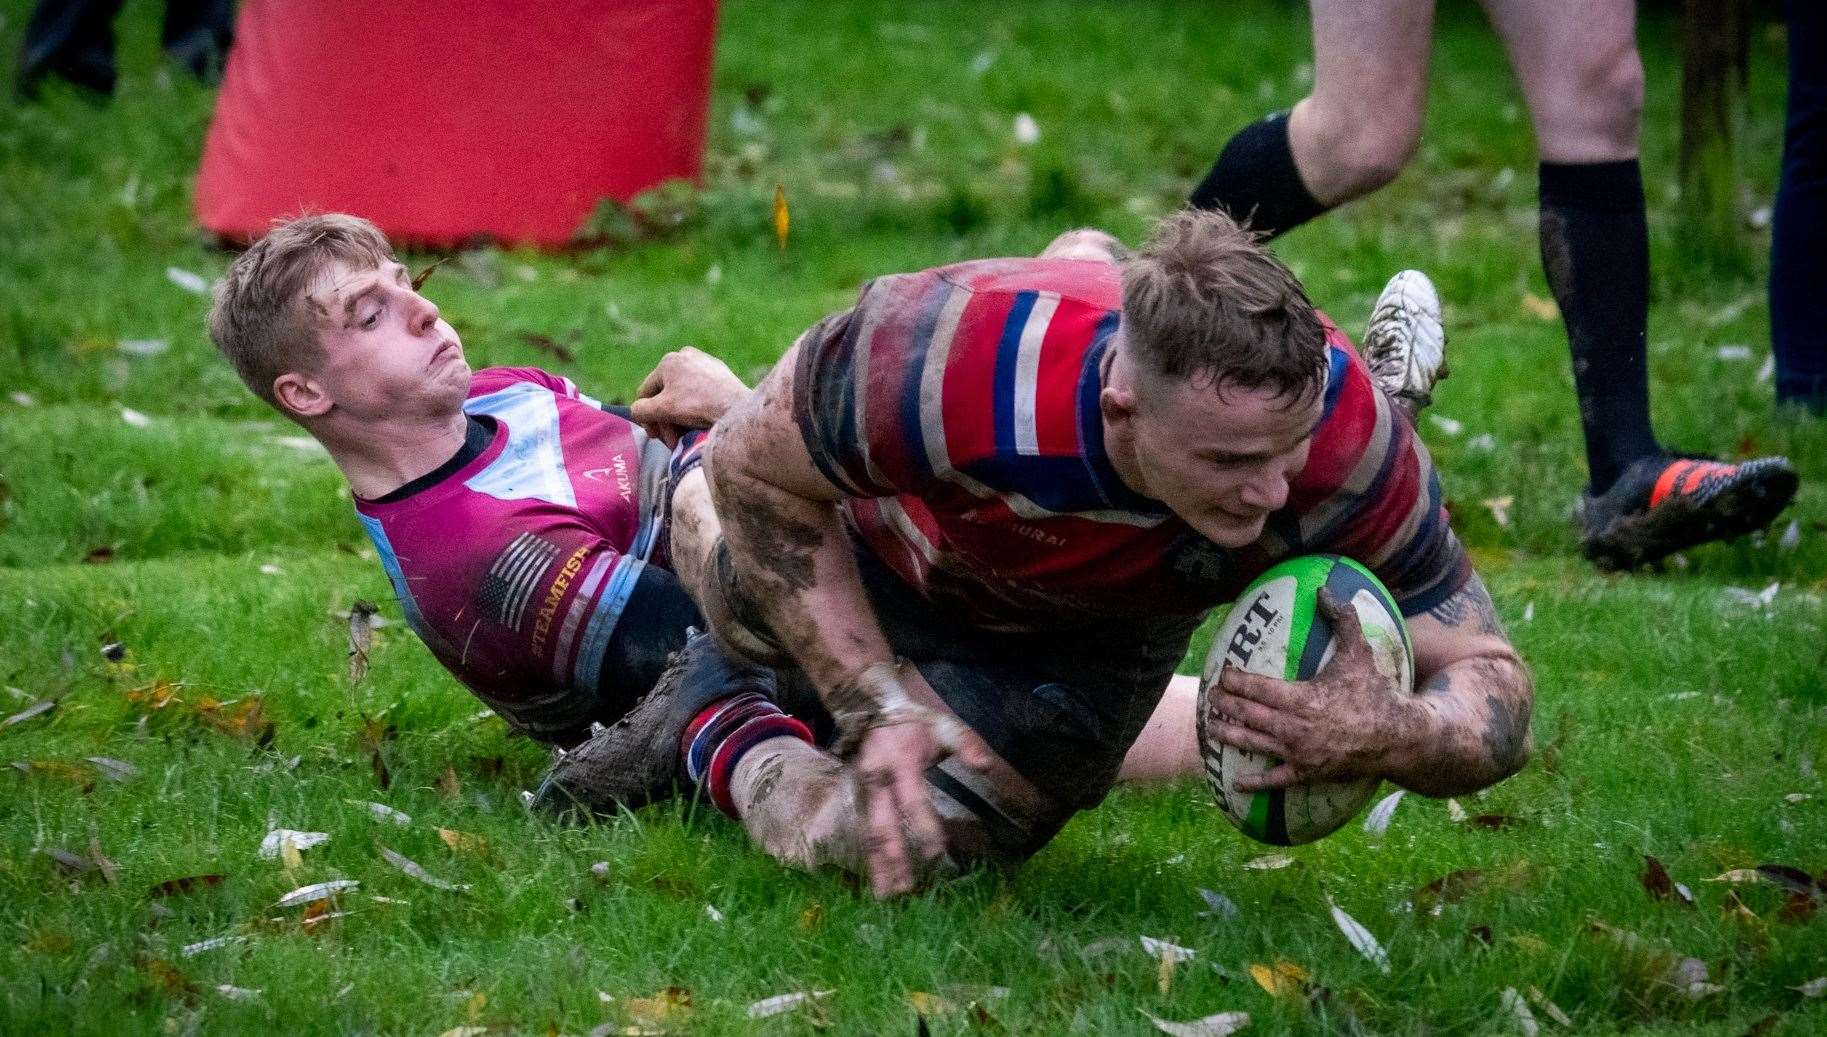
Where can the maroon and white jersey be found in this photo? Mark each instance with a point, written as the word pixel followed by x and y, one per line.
pixel 958 408
pixel 515 567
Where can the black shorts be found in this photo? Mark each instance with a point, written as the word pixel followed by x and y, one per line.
pixel 1061 708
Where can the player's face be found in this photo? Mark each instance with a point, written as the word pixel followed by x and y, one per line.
pixel 386 350
pixel 1222 460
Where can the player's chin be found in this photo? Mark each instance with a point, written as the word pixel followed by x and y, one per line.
pixel 1232 531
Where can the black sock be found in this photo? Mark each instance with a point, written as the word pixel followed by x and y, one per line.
pixel 1256 182
pixel 1595 250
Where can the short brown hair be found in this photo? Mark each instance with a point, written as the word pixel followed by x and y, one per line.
pixel 1203 300
pixel 259 320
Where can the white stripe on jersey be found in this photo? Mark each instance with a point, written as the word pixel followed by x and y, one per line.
pixel 1027 371
pixel 932 383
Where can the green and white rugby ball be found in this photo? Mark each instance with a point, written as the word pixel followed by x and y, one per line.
pixel 1275 628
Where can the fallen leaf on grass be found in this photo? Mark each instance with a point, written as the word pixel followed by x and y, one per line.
pixel 1553 1010
pixel 383 812
pixel 1791 878
pixel 1450 426
pixel 166 977
pixel 191 950
pixel 1657 883
pixel 234 993
pixel 1377 821
pixel 317 891
pixel 1211 1026
pixel 1283 979
pixel 1499 507
pixel 780 1004
pixel 187 884
pixel 449 784
pixel 136 420
pixel 118 771
pixel 419 279
pixel 244 718
pixel 1360 938
pixel 1812 988
pixel 413 870
pixel 783 221
pixel 1454 812
pixel 1159 948
pixel 67 862
pixel 1690 977
pixel 143 346
pixel 811 918
pixel 1217 905
pixel 1108 945
pixel 36 709
pixel 925 1004
pixel 1450 888
pixel 975 993
pixel 668 1007
pixel 82 777
pixel 361 638
pixel 1525 1019
pixel 187 280
pixel 1164 974
pixel 1540 308
pixel 273 846
pixel 464 842
pixel 711 912
pixel 1269 862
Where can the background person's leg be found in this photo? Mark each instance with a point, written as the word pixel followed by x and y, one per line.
pixel 1798 238
pixel 1583 81
pixel 72 39
pixel 1352 134
pixel 197 34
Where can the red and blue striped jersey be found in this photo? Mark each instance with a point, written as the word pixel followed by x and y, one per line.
pixel 958 410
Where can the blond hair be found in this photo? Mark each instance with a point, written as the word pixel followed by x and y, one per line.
pixel 260 321
pixel 1202 300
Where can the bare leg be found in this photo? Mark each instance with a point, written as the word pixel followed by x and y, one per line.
pixel 1168 749
pixel 1360 125
pixel 1580 74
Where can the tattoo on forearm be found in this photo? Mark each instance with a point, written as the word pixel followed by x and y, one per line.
pixel 1470 606
pixel 1489 702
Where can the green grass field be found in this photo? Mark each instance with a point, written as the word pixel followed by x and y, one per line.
pixel 1677 715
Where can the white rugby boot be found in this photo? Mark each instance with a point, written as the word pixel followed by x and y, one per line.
pixel 1405 343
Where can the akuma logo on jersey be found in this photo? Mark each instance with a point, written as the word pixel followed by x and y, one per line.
pixel 618 472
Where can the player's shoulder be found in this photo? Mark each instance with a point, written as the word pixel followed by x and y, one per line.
pixel 1356 420
pixel 1091 283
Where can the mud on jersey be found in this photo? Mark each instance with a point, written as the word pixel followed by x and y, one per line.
pixel 515 568
pixel 958 410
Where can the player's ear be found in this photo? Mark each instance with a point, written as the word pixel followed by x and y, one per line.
pixel 1117 404
pixel 300 396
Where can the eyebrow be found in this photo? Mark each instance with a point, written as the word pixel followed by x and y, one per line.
pixel 350 303
pixel 372 288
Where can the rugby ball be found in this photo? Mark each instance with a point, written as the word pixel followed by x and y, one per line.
pixel 1275 628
